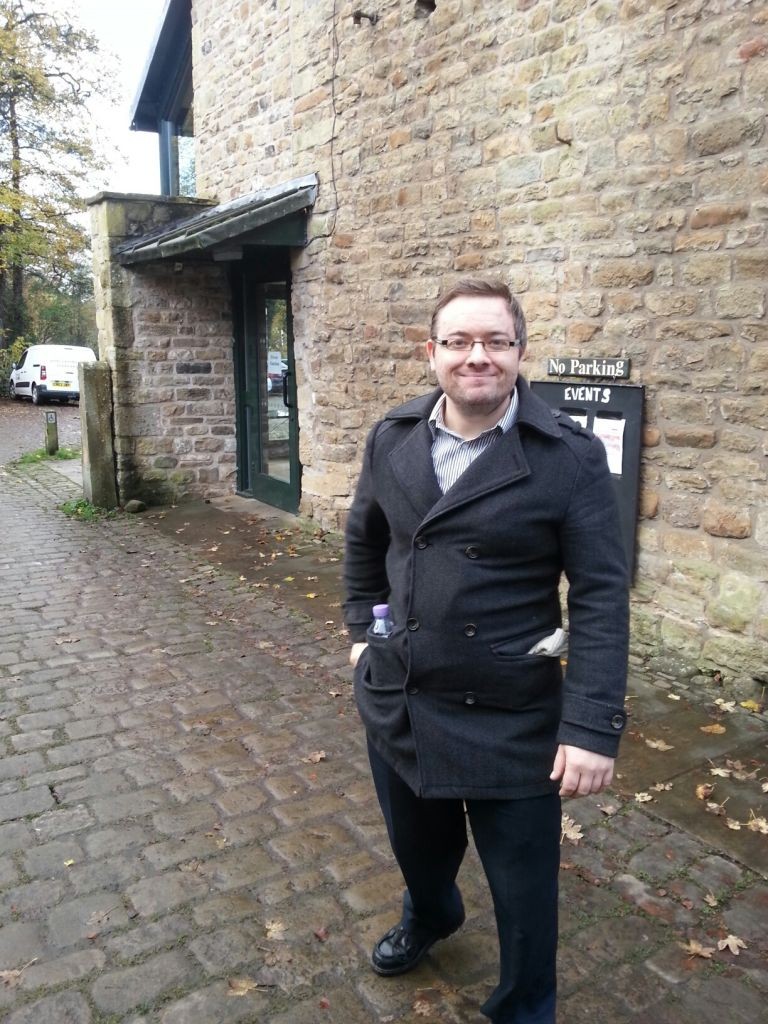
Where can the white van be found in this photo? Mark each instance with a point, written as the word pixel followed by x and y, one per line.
pixel 49 371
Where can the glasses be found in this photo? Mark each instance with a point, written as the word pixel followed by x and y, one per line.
pixel 459 344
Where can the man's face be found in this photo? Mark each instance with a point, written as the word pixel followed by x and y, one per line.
pixel 475 382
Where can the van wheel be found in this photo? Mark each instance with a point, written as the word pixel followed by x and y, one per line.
pixel 37 398
pixel 12 392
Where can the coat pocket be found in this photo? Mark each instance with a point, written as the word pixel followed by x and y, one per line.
pixel 385 662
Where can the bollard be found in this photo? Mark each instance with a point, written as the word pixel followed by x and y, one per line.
pixel 51 433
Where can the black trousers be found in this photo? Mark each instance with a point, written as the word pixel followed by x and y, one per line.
pixel 519 846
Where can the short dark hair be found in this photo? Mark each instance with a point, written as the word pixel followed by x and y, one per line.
pixel 477 287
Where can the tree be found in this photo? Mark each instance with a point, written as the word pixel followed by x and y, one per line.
pixel 63 315
pixel 48 72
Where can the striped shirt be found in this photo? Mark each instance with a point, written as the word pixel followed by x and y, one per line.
pixel 451 454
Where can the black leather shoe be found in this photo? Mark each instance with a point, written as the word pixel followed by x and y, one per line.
pixel 402 948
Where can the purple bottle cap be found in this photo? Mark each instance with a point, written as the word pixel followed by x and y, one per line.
pixel 380 611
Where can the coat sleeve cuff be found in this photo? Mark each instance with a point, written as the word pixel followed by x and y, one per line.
pixel 591 725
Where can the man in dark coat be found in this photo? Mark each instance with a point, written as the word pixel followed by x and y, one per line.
pixel 473 502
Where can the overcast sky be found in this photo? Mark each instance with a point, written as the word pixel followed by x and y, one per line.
pixel 126 30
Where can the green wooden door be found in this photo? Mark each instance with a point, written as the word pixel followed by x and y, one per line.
pixel 267 420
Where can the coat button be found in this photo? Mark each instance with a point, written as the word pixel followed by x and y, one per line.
pixel 473 551
pixel 470 698
pixel 420 541
pixel 617 722
pixel 412 624
pixel 470 629
pixel 411 690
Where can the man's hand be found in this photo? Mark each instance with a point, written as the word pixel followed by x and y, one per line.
pixel 581 771
pixel 354 654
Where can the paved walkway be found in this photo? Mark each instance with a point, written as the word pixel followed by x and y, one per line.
pixel 187 830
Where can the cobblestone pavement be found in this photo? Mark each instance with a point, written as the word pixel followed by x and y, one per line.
pixel 188 834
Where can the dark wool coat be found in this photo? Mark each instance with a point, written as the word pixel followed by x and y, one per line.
pixel 452 700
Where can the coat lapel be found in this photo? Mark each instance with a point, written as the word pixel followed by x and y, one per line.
pixel 412 465
pixel 500 465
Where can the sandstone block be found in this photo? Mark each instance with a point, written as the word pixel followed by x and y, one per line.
pixel 708 269
pixel 630 273
pixel 649 504
pixel 737 598
pixel 752 412
pixel 685 639
pixel 718 213
pixel 519 171
pixel 725 133
pixel 733 655
pixel 739 301
pixel 725 521
pixel 690 437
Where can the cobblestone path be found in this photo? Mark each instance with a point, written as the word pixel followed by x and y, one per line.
pixel 188 834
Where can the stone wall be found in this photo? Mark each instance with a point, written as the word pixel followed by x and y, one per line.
pixel 608 158
pixel 165 329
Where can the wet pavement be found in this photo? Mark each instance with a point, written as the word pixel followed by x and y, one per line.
pixel 188 834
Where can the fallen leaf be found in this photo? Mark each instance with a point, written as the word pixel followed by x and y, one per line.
pixel 288 579
pixel 732 824
pixel 321 934
pixel 722 773
pixel 704 790
pixel 241 986
pixel 644 798
pixel 422 1008
pixel 68 863
pixel 695 948
pixel 751 705
pixel 764 785
pixel 659 745
pixel 673 696
pixel 732 942
pixel 745 776
pixel 726 705
pixel 11 979
pixel 310 596
pixel 711 807
pixel 661 787
pixel 570 829
pixel 334 693
pixel 715 730
pixel 756 824
pixel 710 899
pixel 275 930
pixel 609 809
pixel 68 640
pixel 315 757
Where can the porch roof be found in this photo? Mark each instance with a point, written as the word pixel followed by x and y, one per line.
pixel 273 216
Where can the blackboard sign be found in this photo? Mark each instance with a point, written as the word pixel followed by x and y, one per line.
pixel 614 412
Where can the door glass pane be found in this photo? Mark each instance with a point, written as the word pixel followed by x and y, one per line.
pixel 276 423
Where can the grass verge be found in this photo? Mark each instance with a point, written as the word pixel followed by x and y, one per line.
pixel 41 455
pixel 79 508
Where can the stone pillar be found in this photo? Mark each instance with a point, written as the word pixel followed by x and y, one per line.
pixel 99 486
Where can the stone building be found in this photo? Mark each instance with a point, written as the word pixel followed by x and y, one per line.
pixel 346 160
